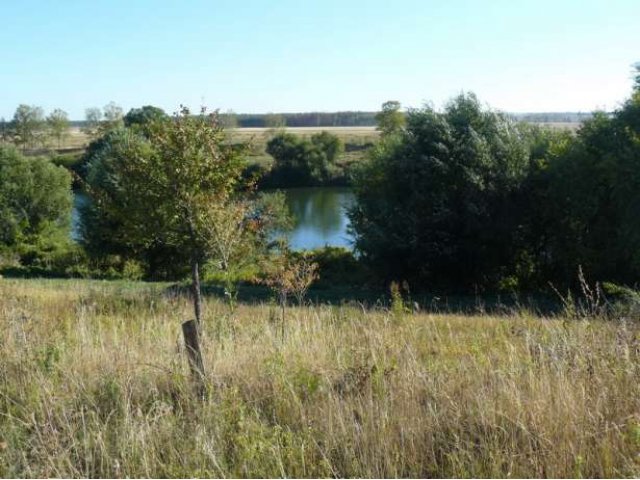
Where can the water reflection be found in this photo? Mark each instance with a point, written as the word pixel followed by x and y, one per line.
pixel 320 217
pixel 319 212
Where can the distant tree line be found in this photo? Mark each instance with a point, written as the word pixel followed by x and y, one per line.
pixel 553 117
pixel 305 119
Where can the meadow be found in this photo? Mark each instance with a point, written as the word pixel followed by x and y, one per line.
pixel 356 141
pixel 94 383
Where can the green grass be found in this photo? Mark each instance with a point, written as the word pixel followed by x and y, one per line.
pixel 94 383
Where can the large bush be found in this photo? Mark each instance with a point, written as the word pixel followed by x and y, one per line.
pixel 438 204
pixel 303 162
pixel 592 191
pixel 35 209
pixel 466 198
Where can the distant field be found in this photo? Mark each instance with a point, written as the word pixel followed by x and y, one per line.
pixel 351 136
pixel 561 125
pixel 354 138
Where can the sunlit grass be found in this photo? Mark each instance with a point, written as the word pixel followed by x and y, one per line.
pixel 94 382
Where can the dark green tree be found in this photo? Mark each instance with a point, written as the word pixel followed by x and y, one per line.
pixel 140 117
pixel 437 203
pixel 35 206
pixel 593 199
pixel 299 161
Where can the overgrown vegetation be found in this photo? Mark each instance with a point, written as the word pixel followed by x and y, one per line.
pixel 304 162
pixel 95 384
pixel 35 211
pixel 467 199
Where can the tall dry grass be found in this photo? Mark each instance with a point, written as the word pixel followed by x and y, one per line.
pixel 93 382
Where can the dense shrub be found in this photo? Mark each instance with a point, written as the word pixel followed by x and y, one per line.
pixel 35 210
pixel 437 204
pixel 303 162
pixel 467 199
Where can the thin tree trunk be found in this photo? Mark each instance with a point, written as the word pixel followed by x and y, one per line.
pixel 195 289
pixel 283 304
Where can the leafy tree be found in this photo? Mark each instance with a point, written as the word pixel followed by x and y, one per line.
pixel 166 188
pixel 437 203
pixel 299 161
pixel 92 119
pixel 329 144
pixel 143 116
pixel 58 125
pixel 591 220
pixel 28 126
pixel 112 117
pixel 390 119
pixel 35 206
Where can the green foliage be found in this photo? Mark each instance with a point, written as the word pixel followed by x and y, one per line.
pixel 172 193
pixel 35 208
pixel 28 126
pixel 466 199
pixel 151 193
pixel 329 144
pixel 143 116
pixel 337 266
pixel 92 118
pixel 437 203
pixel 390 119
pixel 302 162
pixel 112 117
pixel 100 122
pixel 592 220
pixel 58 125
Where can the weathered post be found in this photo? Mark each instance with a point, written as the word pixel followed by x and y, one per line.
pixel 196 365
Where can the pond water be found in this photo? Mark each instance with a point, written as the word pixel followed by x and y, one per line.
pixel 320 217
pixel 319 212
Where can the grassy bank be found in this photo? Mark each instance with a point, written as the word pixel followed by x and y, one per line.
pixel 93 382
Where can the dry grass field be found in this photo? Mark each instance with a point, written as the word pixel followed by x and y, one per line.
pixel 94 383
pixel 259 136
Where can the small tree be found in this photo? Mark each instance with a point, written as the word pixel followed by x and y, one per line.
pixel 92 118
pixel 166 187
pixel 58 125
pixel 288 274
pixel 28 126
pixel 390 119
pixel 111 117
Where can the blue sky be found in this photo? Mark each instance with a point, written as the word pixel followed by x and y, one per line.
pixel 286 55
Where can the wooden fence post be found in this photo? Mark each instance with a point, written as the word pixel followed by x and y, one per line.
pixel 196 365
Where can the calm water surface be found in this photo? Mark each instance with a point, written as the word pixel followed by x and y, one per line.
pixel 321 217
pixel 319 212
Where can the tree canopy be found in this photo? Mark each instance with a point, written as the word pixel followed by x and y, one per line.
pixel 437 203
pixel 35 206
